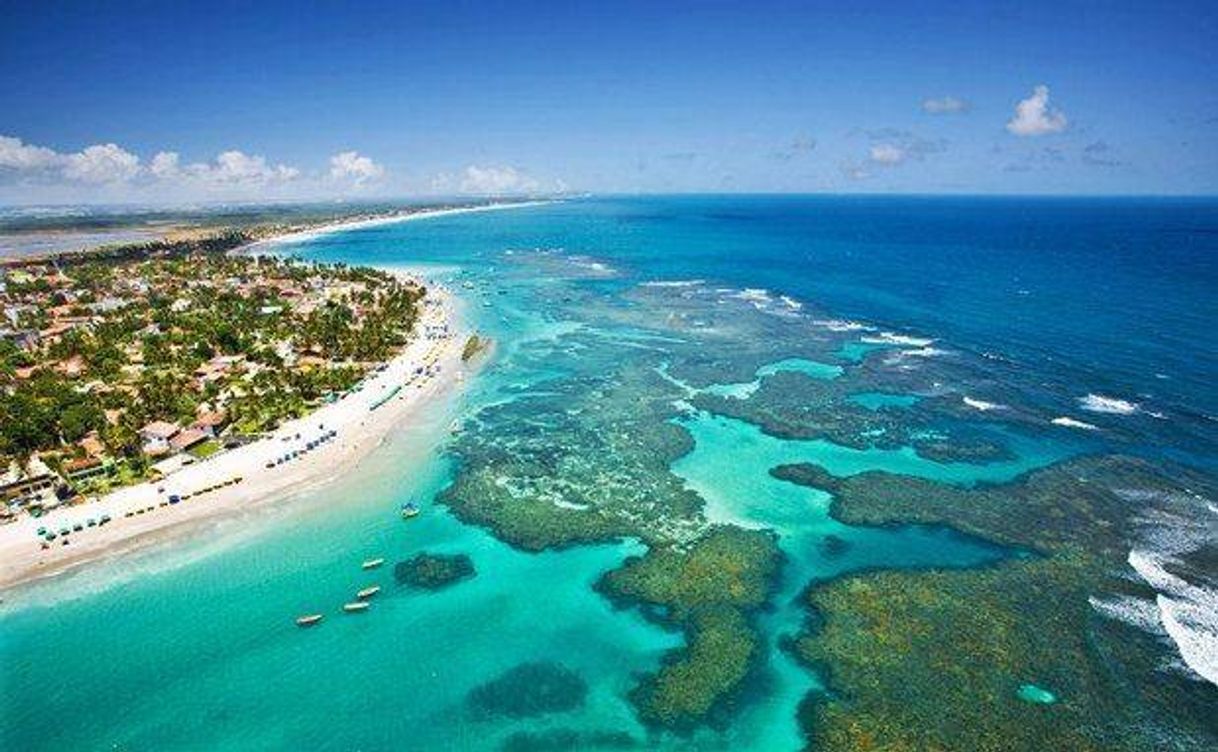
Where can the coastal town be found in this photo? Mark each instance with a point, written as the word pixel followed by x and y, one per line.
pixel 120 370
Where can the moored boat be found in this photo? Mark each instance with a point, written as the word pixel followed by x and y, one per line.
pixel 308 620
pixel 373 563
pixel 368 592
pixel 355 606
pixel 409 510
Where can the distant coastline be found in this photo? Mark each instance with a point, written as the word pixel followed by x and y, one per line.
pixel 245 235
pixel 358 223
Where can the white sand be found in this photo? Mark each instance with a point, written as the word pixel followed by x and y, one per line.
pixel 359 427
pixel 311 234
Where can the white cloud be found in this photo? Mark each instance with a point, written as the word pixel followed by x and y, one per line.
pixel 887 154
pixel 237 167
pixel 18 156
pixel 944 105
pixel 164 165
pixel 1034 116
pixel 496 181
pixel 350 165
pixel 891 147
pixel 97 164
pixel 102 163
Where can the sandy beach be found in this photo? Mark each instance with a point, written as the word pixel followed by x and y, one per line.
pixel 301 236
pixel 301 453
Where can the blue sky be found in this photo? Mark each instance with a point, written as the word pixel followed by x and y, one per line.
pixel 283 100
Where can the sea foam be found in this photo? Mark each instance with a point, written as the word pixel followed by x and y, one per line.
pixel 892 338
pixel 982 405
pixel 842 325
pixel 1072 423
pixel 1098 403
pixel 673 283
pixel 1188 613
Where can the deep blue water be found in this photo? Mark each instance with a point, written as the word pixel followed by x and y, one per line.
pixel 1112 296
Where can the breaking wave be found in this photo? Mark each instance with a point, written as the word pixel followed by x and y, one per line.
pixel 903 340
pixel 982 405
pixel 1187 612
pixel 1170 527
pixel 842 325
pixel 1098 403
pixel 1072 423
pixel 673 283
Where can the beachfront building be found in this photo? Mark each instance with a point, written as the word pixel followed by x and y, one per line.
pixel 83 468
pixel 183 440
pixel 156 436
pixel 211 422
pixel 27 485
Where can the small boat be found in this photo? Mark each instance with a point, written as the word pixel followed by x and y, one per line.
pixel 409 510
pixel 368 592
pixel 373 563
pixel 355 606
pixel 308 620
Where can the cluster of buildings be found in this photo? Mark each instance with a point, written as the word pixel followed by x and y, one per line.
pixel 46 310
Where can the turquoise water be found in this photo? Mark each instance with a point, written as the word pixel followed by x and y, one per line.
pixel 881 400
pixel 809 368
pixel 194 647
pixel 206 656
pixel 1034 694
pixel 856 351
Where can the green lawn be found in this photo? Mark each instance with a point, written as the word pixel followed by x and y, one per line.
pixel 205 450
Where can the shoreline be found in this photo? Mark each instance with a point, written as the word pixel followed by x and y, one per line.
pixel 343 433
pixel 300 236
pixel 286 236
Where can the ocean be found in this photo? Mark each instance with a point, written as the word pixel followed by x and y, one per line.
pixel 936 338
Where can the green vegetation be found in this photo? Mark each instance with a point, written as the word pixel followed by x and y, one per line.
pixel 103 343
pixel 934 660
pixel 473 346
pixel 206 449
pixel 433 571
pixel 712 590
pixel 45 412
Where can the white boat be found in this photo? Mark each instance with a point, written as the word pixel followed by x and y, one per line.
pixel 373 563
pixel 355 606
pixel 368 592
pixel 308 620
